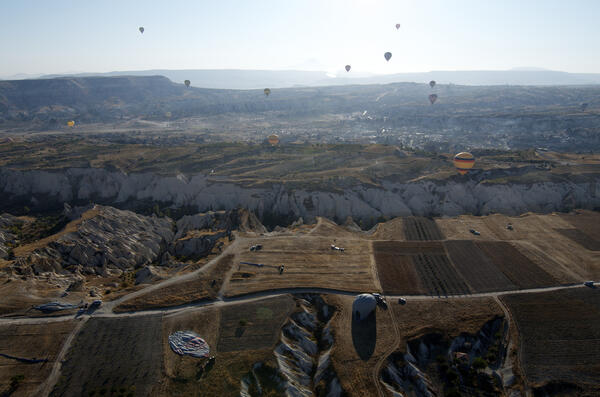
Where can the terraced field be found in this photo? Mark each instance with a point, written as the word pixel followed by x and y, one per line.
pixel 476 268
pixel 559 336
pixel 519 269
pixel 421 229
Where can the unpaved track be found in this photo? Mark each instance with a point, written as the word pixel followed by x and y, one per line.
pixel 273 293
pixel 48 385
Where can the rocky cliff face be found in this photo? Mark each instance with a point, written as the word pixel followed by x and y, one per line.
pixel 109 242
pixel 423 198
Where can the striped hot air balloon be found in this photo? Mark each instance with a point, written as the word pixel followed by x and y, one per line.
pixel 463 162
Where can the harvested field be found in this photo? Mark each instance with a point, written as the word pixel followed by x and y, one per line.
pixel 581 238
pixel 458 228
pixel 113 355
pixel 476 268
pixel 421 229
pixel 519 269
pixel 36 341
pixel 446 317
pixel 559 335
pixel 182 372
pixel 356 373
pixel 586 221
pixel 439 276
pixel 309 262
pixel 190 291
pixel 253 326
pixel 390 230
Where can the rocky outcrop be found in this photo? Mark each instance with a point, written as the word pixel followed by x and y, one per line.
pixel 7 237
pixel 108 243
pixel 361 202
pixel 303 356
pixel 468 363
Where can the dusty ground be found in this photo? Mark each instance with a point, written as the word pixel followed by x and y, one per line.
pixel 198 289
pixel 236 347
pixel 309 262
pixel 41 341
pixel 560 337
pixel 356 351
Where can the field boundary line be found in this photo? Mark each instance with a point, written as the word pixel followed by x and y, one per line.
pixel 46 387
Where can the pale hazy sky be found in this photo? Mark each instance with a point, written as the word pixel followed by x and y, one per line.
pixel 57 36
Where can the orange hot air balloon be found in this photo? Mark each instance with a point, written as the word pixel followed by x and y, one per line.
pixel 463 162
pixel 70 123
pixel 273 139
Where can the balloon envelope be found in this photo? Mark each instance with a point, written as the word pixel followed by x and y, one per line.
pixel 70 123
pixel 187 83
pixel 397 26
pixel 432 83
pixel 387 56
pixel 463 162
pixel 273 139
pixel 348 68
pixel 267 91
pixel 141 29
pixel 432 98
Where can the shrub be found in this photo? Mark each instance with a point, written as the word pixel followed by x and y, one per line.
pixel 479 363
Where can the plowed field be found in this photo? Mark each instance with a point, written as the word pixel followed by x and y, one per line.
pixel 439 276
pixel 113 354
pixel 421 229
pixel 519 269
pixel 476 268
pixel 559 335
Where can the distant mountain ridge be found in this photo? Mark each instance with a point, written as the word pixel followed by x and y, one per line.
pixel 257 79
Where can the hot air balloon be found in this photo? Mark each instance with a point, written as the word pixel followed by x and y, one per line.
pixel 583 106
pixel 273 139
pixel 463 162
pixel 141 29
pixel 348 68
pixel 432 83
pixel 168 114
pixel 432 98
pixel 387 56
pixel 397 26
pixel 267 91
pixel 70 123
pixel 187 83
